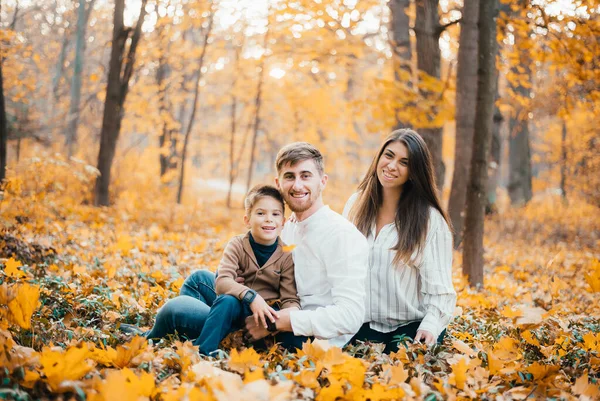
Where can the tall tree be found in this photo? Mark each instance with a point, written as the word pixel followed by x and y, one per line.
pixel 466 100
pixel 476 195
pixel 82 20
pixel 3 128
pixel 401 46
pixel 520 187
pixel 120 70
pixel 258 100
pixel 428 31
pixel 190 124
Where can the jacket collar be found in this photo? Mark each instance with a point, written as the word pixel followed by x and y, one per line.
pixel 274 257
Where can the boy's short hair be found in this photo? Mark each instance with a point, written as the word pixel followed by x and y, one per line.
pixel 297 152
pixel 259 192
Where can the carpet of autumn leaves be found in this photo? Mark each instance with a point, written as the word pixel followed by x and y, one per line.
pixel 70 273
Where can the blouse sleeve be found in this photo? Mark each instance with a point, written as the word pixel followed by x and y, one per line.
pixel 435 273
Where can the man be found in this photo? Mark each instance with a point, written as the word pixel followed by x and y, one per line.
pixel 330 255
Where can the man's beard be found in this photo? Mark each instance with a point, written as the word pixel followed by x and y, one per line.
pixel 305 205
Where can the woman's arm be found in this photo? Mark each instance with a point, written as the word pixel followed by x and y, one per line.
pixel 435 275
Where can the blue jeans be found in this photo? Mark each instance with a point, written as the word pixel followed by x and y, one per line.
pixel 366 333
pixel 186 315
pixel 227 314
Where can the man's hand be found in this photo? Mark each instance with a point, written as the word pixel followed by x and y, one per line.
pixel 262 311
pixel 255 332
pixel 425 337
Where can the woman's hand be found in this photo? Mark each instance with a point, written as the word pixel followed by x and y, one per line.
pixel 425 337
pixel 262 311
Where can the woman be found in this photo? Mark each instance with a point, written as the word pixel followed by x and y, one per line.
pixel 409 284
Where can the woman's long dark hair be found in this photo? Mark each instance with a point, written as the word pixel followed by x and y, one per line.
pixel 419 194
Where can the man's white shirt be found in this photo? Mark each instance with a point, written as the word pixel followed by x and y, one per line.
pixel 331 259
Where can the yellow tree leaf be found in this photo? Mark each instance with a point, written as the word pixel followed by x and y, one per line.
pixel 254 375
pixel 60 366
pixel 394 374
pixel 240 361
pixel 24 304
pixel 583 387
pixel 125 353
pixel 459 372
pixel 11 268
pixel 593 278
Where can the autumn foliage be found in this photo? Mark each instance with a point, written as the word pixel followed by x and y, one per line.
pixel 72 272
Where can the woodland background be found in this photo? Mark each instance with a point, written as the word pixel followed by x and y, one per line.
pixel 131 130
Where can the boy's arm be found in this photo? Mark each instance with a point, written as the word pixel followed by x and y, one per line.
pixel 288 293
pixel 228 267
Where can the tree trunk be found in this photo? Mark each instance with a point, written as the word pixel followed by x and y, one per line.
pixel 428 29
pixel 257 106
pixel 233 118
pixel 520 177
pixel 563 161
pixel 194 106
pixel 162 109
pixel 3 128
pixel 82 19
pixel 60 65
pixel 495 157
pixel 476 199
pixel 117 87
pixel 401 46
pixel 466 100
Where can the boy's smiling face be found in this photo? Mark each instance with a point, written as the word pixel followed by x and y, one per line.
pixel 266 220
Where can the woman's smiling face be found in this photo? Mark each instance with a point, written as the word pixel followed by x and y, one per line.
pixel 392 166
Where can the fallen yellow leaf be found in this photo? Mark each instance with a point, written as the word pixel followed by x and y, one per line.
pixel 24 304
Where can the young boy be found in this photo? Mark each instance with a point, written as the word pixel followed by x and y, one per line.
pixel 267 270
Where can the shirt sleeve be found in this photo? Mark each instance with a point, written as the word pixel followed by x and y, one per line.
pixel 228 266
pixel 435 274
pixel 288 293
pixel 345 257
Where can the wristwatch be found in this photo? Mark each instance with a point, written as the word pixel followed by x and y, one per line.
pixel 271 326
pixel 249 297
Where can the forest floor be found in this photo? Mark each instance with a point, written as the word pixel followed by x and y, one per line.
pixel 72 272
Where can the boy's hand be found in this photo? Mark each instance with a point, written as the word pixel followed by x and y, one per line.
pixel 262 311
pixel 239 279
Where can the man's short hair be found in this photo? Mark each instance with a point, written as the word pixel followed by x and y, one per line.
pixel 297 152
pixel 261 191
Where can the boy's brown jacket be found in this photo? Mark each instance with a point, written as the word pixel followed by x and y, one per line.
pixel 274 280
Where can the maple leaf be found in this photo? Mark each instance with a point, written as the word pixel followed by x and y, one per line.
pixel 288 248
pixel 529 338
pixel 61 366
pixel 24 304
pixel 459 372
pixel 254 375
pixel 584 388
pixel 11 268
pixel 307 378
pixel 540 371
pixel 591 342
pixel 126 385
pixel 126 352
pixel 240 361
pixel 394 374
pixel 593 277
pixel 463 347
pixel 332 392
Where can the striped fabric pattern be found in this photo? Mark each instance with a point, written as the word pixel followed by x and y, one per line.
pixel 418 291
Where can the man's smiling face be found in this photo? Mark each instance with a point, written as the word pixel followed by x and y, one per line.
pixel 301 186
